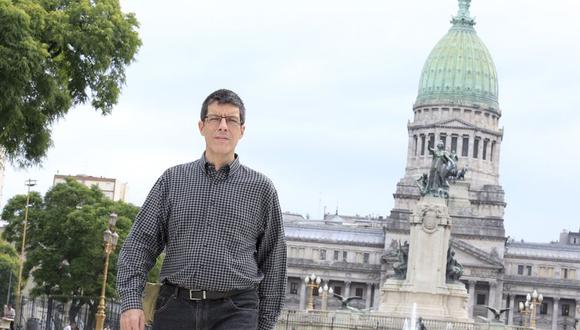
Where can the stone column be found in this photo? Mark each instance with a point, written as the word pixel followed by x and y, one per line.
pixel 302 295
pixel 491 299
pixel 471 297
pixel 368 295
pixel 513 309
pixel 555 313
pixel 377 300
pixel 346 289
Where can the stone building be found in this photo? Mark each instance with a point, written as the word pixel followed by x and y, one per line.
pixel 457 103
pixel 112 188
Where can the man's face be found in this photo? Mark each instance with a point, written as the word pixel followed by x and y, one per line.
pixel 221 129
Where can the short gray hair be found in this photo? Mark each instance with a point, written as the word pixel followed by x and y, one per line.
pixel 224 96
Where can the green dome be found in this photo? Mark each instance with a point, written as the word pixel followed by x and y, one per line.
pixel 459 69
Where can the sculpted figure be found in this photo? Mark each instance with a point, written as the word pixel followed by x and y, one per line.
pixel 454 268
pixel 400 266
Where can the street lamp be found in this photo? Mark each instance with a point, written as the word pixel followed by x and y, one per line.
pixel 29 183
pixel 324 291
pixel 530 306
pixel 524 309
pixel 110 237
pixel 312 281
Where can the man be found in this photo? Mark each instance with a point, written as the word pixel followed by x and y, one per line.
pixel 221 228
pixel 10 314
pixel 71 326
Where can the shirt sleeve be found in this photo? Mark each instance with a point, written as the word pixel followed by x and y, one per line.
pixel 271 260
pixel 143 245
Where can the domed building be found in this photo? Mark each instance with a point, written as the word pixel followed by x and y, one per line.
pixel 458 104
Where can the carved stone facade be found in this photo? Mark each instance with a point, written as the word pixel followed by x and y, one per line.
pixel 457 103
pixel 354 255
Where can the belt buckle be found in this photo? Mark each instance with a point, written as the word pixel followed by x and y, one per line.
pixel 203 296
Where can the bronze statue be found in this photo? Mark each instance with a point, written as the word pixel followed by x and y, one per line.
pixel 443 167
pixel 400 266
pixel 454 269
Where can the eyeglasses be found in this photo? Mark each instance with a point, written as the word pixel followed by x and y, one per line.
pixel 215 120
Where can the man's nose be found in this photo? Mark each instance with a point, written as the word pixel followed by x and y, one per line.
pixel 223 124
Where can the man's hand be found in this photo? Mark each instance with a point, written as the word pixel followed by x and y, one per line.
pixel 133 319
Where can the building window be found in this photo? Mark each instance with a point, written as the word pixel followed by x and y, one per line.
pixel 366 258
pixel 431 140
pixel 322 254
pixel 293 288
pixel 476 147
pixel 415 145
pixel 520 269
pixel 481 298
pixel 338 290
pixel 315 291
pixel 565 310
pixel 564 273
pixel 454 143
pixel 358 292
pixel 336 255
pixel 443 138
pixel 544 309
pixel 465 146
pixel 485 143
pixel 529 270
pixel 422 144
pixel 344 256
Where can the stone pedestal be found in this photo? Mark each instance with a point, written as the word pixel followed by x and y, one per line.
pixel 425 282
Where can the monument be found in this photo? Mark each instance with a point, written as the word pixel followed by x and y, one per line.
pixel 427 273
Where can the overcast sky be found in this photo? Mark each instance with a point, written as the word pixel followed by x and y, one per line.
pixel 329 88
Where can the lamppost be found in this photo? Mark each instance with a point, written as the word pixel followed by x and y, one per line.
pixel 312 281
pixel 110 237
pixel 530 306
pixel 324 291
pixel 524 309
pixel 29 183
pixel 534 302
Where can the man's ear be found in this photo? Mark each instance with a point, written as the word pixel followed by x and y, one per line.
pixel 242 129
pixel 200 126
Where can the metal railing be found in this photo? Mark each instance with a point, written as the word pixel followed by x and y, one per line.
pixel 50 313
pixel 343 320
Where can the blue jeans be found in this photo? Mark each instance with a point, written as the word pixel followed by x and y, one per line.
pixel 236 312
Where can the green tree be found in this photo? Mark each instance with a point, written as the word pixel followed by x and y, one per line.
pixel 65 254
pixel 8 270
pixel 55 54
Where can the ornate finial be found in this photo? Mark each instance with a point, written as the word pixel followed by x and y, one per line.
pixel 463 8
pixel 462 17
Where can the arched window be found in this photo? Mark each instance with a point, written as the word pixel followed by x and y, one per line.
pixel 484 154
pixel 465 146
pixel 476 147
pixel 454 143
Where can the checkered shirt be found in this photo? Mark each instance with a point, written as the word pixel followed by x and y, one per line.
pixel 220 231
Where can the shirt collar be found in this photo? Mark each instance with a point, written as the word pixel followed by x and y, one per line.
pixel 228 169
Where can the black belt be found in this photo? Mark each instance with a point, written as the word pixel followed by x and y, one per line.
pixel 188 294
